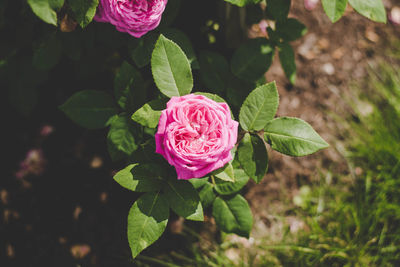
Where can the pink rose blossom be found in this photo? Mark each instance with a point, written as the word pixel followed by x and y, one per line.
pixel 135 17
pixel 196 134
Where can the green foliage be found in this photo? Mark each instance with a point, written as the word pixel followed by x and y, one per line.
pixel 253 156
pixel 259 107
pixel 120 138
pixel 334 8
pixel 139 178
pixel 286 56
pixel 233 215
pixel 290 29
pixel 372 9
pixel 128 87
pixel 242 3
pixel 278 9
pixel 149 114
pixel 46 10
pixel 293 137
pixel 171 69
pixel 90 109
pixel 229 188
pixel 252 59
pixel 184 200
pixel 147 220
pixel 83 10
pixel 225 173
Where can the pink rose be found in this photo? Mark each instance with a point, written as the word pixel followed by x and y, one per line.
pixel 135 17
pixel 196 134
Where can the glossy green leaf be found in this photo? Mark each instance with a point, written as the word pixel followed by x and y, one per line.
pixel 287 59
pixel 259 107
pixel 334 9
pixel 372 9
pixel 214 71
pixel 184 200
pixel 253 156
pixel 293 137
pixel 149 114
pixel 46 10
pixel 139 178
pixel 171 68
pixel 207 195
pixel 120 138
pixel 228 188
pixel 128 84
pixel 147 220
pixel 290 29
pixel 233 215
pixel 90 109
pixel 225 173
pixel 181 39
pixel 278 9
pixel 252 59
pixel 84 10
pixel 48 54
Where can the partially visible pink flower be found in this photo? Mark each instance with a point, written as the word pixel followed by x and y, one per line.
pixel 135 17
pixel 310 4
pixel 196 134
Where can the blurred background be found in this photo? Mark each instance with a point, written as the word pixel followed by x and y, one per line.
pixel 59 205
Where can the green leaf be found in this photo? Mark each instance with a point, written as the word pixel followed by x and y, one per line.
pixel 84 10
pixel 214 71
pixel 207 195
pixel 198 182
pixel 184 200
pixel 286 56
pixel 149 114
pixel 259 107
pixel 46 9
pixel 278 9
pixel 139 178
pixel 128 85
pixel 293 137
pixel 181 39
pixel 242 3
pixel 253 157
pixel 147 220
pixel 48 54
pixel 90 109
pixel 252 59
pixel 225 173
pixel 214 97
pixel 228 188
pixel 120 138
pixel 141 54
pixel 372 9
pixel 334 8
pixel 290 29
pixel 171 68
pixel 233 215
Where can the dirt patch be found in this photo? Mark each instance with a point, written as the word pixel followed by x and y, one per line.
pixel 329 58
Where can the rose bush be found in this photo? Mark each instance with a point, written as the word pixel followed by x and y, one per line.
pixel 135 17
pixel 196 134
